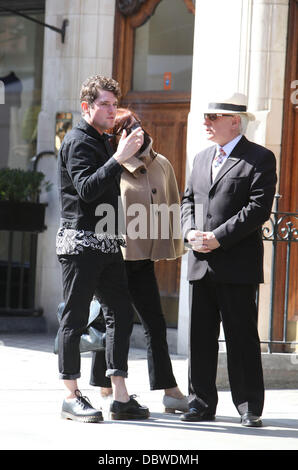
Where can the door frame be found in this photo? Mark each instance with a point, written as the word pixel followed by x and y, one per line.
pixel 287 165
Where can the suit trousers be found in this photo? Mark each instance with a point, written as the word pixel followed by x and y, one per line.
pixel 103 275
pixel 233 304
pixel 145 296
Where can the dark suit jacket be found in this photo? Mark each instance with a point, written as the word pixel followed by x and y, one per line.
pixel 234 208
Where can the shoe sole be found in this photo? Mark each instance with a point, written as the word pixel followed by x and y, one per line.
pixel 258 424
pixel 81 419
pixel 127 416
pixel 174 410
pixel 193 420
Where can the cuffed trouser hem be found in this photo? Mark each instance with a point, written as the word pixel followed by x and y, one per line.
pixel 163 386
pixel 69 376
pixel 121 373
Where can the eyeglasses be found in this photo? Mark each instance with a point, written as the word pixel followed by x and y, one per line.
pixel 213 117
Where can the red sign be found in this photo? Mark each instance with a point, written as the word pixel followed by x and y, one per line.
pixel 167 80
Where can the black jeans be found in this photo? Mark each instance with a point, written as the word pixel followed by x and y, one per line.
pixel 103 275
pixel 234 305
pixel 145 296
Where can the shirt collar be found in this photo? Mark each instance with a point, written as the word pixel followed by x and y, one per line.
pixel 142 161
pixel 90 130
pixel 230 145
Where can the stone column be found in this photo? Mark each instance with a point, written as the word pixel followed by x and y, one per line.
pixel 88 50
pixel 221 42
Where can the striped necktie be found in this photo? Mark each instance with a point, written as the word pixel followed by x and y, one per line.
pixel 219 158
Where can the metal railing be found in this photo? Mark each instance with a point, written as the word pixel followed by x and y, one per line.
pixel 18 273
pixel 282 228
pixel 17 278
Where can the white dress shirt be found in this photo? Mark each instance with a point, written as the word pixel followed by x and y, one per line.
pixel 228 150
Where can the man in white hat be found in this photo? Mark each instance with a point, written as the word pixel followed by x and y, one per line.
pixel 228 197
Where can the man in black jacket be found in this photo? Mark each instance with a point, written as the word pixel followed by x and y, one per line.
pixel 227 199
pixel 88 248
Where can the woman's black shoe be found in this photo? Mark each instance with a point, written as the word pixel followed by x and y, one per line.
pixel 130 410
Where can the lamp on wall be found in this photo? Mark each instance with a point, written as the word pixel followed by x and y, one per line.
pixel 129 7
pixel 61 30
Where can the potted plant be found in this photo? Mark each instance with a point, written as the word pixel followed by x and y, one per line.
pixel 20 208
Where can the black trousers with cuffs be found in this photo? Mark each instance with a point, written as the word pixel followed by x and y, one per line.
pixel 234 305
pixel 103 275
pixel 144 293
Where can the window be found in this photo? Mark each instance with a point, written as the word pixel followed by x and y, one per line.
pixel 164 49
pixel 21 55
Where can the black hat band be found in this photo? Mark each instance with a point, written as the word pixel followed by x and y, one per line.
pixel 228 107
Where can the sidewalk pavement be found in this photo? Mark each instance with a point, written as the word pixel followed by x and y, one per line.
pixel 31 398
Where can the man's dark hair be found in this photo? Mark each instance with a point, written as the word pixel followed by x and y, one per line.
pixel 92 86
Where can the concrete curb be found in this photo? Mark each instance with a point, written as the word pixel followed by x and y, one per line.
pixel 280 371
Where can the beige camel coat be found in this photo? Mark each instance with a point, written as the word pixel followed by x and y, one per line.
pixel 151 204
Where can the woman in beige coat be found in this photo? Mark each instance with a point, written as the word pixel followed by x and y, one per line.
pixel 151 204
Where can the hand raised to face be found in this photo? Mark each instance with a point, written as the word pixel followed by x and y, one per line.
pixel 129 144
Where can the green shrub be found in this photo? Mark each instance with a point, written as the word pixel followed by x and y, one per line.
pixel 22 185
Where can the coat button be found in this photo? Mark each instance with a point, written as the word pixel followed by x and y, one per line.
pixel 154 191
pixel 209 216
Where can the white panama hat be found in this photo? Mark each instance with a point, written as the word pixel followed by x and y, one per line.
pixel 236 104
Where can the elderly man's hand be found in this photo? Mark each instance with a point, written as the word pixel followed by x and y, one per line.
pixel 210 241
pixel 202 242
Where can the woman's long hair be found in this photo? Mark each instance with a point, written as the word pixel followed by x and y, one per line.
pixel 127 119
